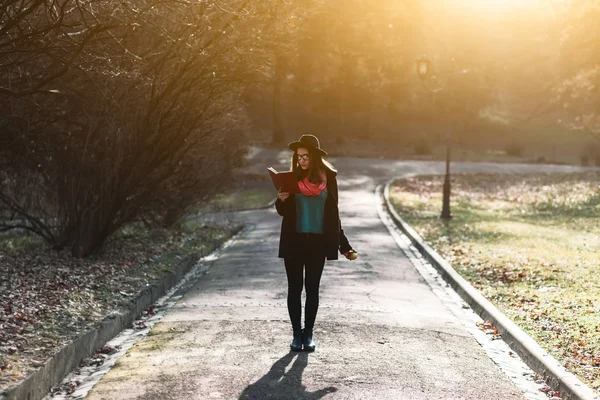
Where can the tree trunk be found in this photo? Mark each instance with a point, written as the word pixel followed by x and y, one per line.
pixel 278 131
pixel 339 135
pixel 345 79
pixel 366 132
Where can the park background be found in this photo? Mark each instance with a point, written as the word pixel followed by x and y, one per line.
pixel 121 118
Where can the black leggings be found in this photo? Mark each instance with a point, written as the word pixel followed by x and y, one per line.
pixel 310 257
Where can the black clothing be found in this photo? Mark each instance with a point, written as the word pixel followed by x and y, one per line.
pixel 310 257
pixel 308 251
pixel 333 234
pixel 309 142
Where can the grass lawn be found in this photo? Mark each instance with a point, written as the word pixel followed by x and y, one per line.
pixel 530 244
pixel 241 199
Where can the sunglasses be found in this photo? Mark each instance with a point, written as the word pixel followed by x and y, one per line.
pixel 304 157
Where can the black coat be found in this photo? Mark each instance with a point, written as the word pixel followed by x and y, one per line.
pixel 334 237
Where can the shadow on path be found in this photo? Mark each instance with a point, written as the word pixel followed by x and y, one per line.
pixel 278 384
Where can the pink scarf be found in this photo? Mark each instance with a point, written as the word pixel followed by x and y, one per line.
pixel 312 189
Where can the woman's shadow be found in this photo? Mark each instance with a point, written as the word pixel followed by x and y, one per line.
pixel 278 384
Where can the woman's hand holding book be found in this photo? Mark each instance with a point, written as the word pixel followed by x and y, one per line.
pixel 283 195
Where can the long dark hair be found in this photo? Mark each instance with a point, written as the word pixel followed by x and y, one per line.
pixel 316 166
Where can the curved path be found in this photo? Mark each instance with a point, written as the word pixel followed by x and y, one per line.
pixel 382 332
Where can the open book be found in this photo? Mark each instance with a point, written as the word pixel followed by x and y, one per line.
pixel 286 180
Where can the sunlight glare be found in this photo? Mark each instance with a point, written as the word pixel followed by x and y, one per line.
pixel 499 5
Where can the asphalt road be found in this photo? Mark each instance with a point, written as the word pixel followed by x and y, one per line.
pixel 381 331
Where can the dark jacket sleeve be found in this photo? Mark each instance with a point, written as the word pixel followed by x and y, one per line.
pixel 344 244
pixel 283 207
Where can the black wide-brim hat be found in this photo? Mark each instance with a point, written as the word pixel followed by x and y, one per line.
pixel 308 141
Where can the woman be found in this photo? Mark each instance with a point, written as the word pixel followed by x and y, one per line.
pixel 310 233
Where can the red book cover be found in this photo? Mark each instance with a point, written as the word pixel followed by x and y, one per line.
pixel 286 180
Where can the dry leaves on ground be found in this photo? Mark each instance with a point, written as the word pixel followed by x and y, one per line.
pixel 48 298
pixel 530 244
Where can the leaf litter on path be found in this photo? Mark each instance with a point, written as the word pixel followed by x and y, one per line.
pixel 48 298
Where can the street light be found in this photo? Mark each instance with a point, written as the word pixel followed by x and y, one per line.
pixel 423 70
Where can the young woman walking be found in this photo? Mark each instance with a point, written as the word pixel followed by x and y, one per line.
pixel 311 232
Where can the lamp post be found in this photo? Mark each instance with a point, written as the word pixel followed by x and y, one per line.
pixel 423 70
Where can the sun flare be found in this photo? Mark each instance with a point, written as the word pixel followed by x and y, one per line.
pixel 499 5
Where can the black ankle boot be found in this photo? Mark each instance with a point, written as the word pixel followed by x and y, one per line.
pixel 307 341
pixel 297 341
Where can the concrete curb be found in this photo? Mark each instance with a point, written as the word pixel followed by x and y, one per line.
pixel 37 385
pixel 555 375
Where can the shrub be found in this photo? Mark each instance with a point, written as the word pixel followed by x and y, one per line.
pixel 590 154
pixel 514 149
pixel 422 147
pixel 117 111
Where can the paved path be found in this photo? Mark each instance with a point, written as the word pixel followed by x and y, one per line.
pixel 381 331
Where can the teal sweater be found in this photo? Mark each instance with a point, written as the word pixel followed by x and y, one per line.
pixel 310 211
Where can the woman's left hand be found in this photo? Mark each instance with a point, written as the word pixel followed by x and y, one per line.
pixel 351 255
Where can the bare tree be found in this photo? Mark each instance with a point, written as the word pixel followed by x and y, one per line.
pixel 130 119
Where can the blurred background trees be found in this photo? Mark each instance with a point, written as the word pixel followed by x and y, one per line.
pixel 120 111
pixel 347 71
pixel 578 91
